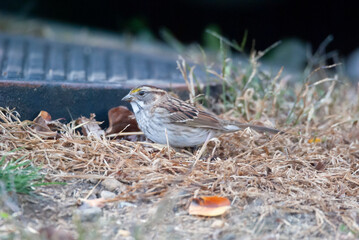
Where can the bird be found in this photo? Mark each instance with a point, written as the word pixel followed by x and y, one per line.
pixel 168 120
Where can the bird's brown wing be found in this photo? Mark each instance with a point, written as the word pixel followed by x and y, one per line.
pixel 184 113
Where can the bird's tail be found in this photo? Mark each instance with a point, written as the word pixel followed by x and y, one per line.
pixel 235 126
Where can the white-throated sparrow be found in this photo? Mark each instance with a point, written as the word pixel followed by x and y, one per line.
pixel 187 126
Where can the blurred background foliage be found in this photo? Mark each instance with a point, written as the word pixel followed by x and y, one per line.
pixel 302 25
pixel 266 21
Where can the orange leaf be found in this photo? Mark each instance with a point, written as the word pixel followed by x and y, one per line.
pixel 45 115
pixel 314 140
pixel 209 206
pixel 119 118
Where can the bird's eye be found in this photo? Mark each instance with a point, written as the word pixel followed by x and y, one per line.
pixel 141 93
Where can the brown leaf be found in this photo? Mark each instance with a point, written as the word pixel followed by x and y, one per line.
pixel 320 166
pixel 45 115
pixel 90 127
pixel 119 118
pixel 209 206
pixel 41 125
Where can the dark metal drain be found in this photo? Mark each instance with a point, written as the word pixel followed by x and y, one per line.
pixel 70 80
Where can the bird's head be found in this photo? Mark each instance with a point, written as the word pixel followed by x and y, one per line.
pixel 144 96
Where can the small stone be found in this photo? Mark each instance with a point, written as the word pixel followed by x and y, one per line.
pixel 93 180
pixel 111 184
pixel 231 236
pixel 126 204
pixel 107 194
pixel 51 232
pixel 217 224
pixel 123 233
pixel 89 214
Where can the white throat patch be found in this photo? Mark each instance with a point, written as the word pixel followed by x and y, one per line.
pixel 135 106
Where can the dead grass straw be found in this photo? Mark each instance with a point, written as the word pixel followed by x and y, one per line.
pixel 286 172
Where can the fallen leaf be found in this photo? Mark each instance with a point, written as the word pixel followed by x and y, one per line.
pixel 314 140
pixel 90 127
pixel 320 166
pixel 41 125
pixel 121 119
pixel 210 206
pixel 45 115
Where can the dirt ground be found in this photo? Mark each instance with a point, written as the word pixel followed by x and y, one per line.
pixel 277 191
pixel 163 219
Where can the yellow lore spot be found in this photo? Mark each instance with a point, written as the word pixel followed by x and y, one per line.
pixel 135 90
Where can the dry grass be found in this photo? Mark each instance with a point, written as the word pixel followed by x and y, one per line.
pixel 286 172
pixel 283 175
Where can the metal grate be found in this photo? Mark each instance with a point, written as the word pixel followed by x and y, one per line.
pixel 25 58
pixel 69 80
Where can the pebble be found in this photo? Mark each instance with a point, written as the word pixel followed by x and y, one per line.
pixel 217 224
pixel 93 180
pixel 123 233
pixel 111 184
pixel 89 214
pixel 126 204
pixel 107 194
pixel 51 232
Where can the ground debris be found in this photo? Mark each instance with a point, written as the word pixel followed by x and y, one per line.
pixel 284 185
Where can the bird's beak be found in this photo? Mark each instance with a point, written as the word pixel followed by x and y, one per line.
pixel 127 98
